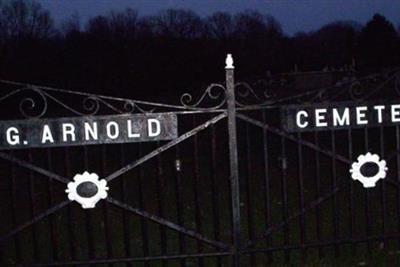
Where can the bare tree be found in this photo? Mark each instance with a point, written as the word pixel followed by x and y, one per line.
pixel 250 24
pixel 116 25
pixel 254 25
pixel 379 42
pixel 178 23
pixel 123 24
pixel 220 25
pixel 72 25
pixel 146 27
pixel 274 28
pixel 25 19
pixel 99 26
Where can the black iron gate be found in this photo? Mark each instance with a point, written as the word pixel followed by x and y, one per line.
pixel 299 201
pixel 181 202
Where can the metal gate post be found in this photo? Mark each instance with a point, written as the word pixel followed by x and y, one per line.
pixel 233 157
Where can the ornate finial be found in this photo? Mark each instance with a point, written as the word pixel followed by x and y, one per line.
pixel 229 62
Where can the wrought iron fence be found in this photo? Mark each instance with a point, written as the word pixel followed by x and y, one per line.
pixel 233 189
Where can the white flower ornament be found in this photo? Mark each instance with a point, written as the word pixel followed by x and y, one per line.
pixel 368 169
pixel 87 189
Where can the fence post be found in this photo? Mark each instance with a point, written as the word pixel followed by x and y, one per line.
pixel 233 157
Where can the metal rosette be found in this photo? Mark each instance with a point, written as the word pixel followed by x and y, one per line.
pixel 87 189
pixel 368 169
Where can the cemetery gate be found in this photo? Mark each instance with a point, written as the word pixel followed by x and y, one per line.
pixel 246 174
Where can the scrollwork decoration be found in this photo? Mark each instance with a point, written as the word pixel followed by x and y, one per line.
pixel 91 104
pixel 356 90
pixel 257 94
pixel 265 85
pixel 36 100
pixel 31 107
pixel 213 92
pixel 131 106
pixel 244 92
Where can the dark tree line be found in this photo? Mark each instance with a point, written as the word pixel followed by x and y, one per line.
pixel 126 54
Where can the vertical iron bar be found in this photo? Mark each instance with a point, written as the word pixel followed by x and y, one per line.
pixel 215 190
pixel 71 220
pixel 285 209
pixel 160 199
pixel 250 226
pixel 383 188
pixel 301 197
pixel 398 176
pixel 53 232
pixel 196 196
pixel 351 196
pixel 317 194
pixel 267 199
pixel 106 212
pixel 125 216
pixel 33 209
pixel 367 198
pixel 142 206
pixel 88 218
pixel 2 254
pixel 179 206
pixel 233 156
pixel 334 198
pixel 13 202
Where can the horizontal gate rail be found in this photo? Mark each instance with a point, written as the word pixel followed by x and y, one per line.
pixel 329 243
pixel 139 259
pixel 128 105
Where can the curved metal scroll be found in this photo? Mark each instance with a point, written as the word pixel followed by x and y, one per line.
pixel 214 93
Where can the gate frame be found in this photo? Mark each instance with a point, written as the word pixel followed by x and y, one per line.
pixel 187 107
pixel 229 107
pixel 233 159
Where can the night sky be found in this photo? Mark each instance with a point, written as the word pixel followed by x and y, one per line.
pixel 294 16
